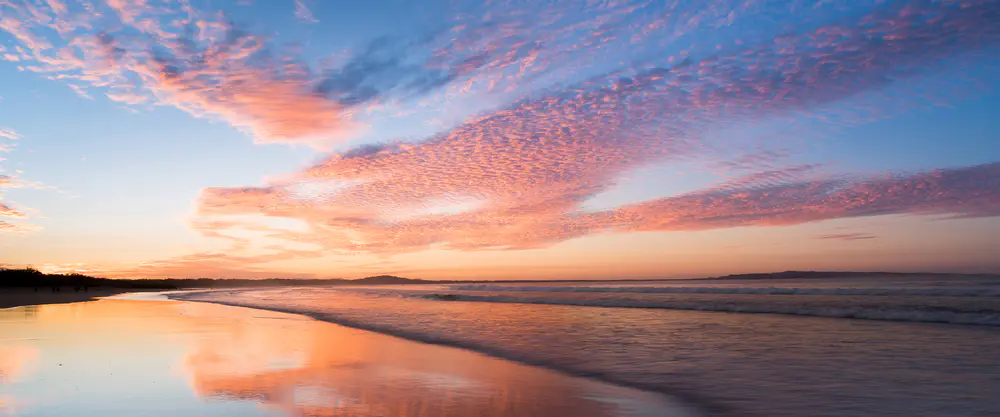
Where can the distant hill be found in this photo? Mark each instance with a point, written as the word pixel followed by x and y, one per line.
pixel 29 277
pixel 388 280
pixel 831 274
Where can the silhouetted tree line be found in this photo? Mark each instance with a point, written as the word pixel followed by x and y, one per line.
pixel 30 277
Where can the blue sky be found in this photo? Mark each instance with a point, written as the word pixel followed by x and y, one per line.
pixel 452 139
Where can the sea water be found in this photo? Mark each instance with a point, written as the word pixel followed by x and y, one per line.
pixel 135 356
pixel 874 346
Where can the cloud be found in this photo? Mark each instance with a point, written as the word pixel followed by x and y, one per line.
pixel 19 226
pixel 386 68
pixel 213 264
pixel 8 134
pixel 965 192
pixel 961 192
pixel 195 61
pixel 518 176
pixel 201 62
pixel 303 13
pixel 7 211
pixel 12 181
pixel 771 177
pixel 846 236
pixel 530 166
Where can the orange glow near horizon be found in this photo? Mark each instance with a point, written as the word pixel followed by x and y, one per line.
pixel 636 256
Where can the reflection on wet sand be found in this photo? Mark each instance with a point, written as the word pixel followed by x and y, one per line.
pixel 7 406
pixel 164 358
pixel 14 361
pixel 305 367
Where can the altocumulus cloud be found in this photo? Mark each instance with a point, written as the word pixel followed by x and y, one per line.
pixel 7 138
pixel 846 236
pixel 531 165
pixel 170 53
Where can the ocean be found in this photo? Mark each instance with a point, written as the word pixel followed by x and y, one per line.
pixel 872 346
pixel 142 355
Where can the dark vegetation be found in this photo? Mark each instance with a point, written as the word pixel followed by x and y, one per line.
pixel 30 277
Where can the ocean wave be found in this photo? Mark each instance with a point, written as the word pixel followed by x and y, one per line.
pixel 710 408
pixel 686 354
pixel 911 314
pixel 920 292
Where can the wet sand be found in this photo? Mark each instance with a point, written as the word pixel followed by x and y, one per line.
pixel 16 297
pixel 165 358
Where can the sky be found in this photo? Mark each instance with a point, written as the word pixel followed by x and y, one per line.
pixel 575 139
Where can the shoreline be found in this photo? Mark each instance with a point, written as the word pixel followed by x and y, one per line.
pixel 21 297
pixel 359 364
pixel 705 406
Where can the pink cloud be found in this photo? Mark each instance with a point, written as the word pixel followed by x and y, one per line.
pixel 967 192
pixel 173 54
pixel 847 236
pixel 222 73
pixel 8 134
pixel 227 73
pixel 212 264
pixel 7 211
pixel 530 166
pixel 12 181
pixel 22 34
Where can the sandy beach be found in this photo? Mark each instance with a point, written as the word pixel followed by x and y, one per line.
pixel 15 297
pixel 789 363
pixel 122 356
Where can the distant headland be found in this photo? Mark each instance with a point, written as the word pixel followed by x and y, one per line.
pixel 30 277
